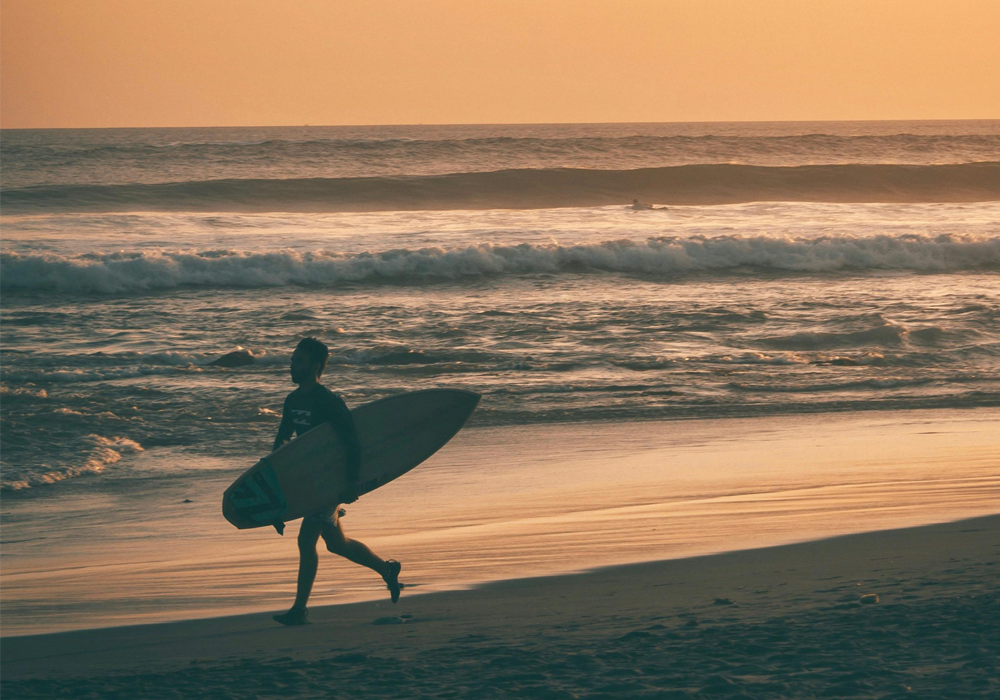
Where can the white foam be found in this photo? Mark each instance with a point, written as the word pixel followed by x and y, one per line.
pixel 662 257
pixel 103 452
pixel 11 392
pixel 73 376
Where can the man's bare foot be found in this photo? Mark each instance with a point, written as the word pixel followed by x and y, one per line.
pixel 295 616
pixel 392 578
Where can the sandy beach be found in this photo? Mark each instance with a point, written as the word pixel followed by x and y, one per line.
pixel 903 613
pixel 498 504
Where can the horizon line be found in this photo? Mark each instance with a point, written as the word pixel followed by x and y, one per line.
pixel 438 124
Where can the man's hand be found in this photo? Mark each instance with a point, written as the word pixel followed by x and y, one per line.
pixel 349 494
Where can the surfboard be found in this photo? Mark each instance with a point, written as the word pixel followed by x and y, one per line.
pixel 308 474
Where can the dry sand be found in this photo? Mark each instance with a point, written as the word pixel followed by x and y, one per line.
pixel 781 622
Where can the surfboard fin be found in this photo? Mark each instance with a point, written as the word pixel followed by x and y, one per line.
pixel 280 527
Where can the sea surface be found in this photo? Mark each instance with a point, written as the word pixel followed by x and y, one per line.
pixel 785 269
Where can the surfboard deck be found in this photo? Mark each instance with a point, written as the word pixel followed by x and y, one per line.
pixel 308 474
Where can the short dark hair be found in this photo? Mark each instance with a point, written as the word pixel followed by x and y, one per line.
pixel 317 351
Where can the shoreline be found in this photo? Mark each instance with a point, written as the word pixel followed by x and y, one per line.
pixel 937 588
pixel 505 504
pixel 526 580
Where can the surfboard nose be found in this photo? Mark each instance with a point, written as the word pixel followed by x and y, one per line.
pixel 459 397
pixel 471 398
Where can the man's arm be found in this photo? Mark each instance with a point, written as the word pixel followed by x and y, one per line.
pixel 284 429
pixel 343 424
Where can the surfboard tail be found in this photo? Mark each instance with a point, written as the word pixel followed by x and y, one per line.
pixel 255 499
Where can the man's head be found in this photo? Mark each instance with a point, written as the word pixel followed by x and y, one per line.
pixel 309 360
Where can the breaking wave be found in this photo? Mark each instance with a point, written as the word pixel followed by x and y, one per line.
pixel 102 452
pixel 659 257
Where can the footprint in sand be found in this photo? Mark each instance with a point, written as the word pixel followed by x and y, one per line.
pixel 393 620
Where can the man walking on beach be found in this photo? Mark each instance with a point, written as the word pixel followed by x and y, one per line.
pixel 311 405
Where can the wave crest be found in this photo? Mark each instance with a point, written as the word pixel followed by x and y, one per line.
pixel 531 188
pixel 661 257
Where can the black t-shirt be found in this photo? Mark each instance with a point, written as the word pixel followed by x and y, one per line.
pixel 303 412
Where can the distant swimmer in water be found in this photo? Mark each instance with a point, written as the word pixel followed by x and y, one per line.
pixel 636 205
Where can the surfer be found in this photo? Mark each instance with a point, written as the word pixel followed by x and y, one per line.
pixel 636 205
pixel 310 405
pixel 640 206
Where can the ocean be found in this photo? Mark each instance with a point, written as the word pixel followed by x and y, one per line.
pixel 784 270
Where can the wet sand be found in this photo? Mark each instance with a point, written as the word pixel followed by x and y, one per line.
pixel 788 621
pixel 498 504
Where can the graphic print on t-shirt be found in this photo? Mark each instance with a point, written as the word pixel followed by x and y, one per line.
pixel 301 417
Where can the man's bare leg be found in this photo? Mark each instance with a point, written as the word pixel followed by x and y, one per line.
pixel 358 552
pixel 309 534
pixel 353 550
pixel 338 543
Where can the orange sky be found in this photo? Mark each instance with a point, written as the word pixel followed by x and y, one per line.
pixel 98 63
